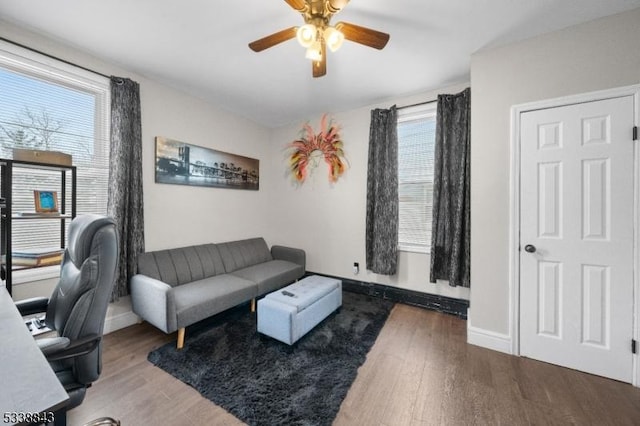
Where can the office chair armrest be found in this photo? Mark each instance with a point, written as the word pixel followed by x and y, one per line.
pixel 35 305
pixel 51 345
pixel 58 348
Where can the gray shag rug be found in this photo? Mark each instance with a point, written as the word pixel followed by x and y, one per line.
pixel 265 382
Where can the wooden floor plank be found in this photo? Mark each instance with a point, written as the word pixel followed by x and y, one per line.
pixel 420 372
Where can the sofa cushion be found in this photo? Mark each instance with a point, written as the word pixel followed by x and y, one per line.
pixel 201 299
pixel 241 254
pixel 182 265
pixel 271 275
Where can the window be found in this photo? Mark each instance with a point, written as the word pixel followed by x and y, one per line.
pixel 48 105
pixel 416 142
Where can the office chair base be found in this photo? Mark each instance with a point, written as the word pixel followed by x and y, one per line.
pixel 103 421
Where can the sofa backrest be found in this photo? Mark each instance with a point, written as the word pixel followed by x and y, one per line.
pixel 182 265
pixel 240 254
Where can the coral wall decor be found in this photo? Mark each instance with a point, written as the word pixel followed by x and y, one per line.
pixel 306 152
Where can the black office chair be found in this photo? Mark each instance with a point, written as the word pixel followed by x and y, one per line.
pixel 77 308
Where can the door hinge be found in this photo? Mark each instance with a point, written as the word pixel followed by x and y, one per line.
pixel 635 133
pixel 633 346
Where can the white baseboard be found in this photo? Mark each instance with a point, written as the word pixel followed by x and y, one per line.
pixel 489 339
pixel 118 321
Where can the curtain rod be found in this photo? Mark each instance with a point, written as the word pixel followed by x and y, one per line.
pixel 418 104
pixel 54 57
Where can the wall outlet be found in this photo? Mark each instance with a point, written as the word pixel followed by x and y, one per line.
pixel 356 268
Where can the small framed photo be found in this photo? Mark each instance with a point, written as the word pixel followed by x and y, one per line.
pixel 46 201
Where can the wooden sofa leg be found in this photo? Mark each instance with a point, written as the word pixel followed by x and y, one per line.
pixel 180 338
pixel 253 304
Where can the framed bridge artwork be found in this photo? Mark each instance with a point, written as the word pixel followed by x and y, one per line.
pixel 180 163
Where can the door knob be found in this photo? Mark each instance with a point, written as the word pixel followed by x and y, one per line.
pixel 530 248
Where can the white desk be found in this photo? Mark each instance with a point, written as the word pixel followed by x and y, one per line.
pixel 27 382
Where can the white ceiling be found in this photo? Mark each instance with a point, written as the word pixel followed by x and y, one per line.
pixel 200 46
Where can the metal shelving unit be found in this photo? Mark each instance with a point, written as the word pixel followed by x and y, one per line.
pixel 67 209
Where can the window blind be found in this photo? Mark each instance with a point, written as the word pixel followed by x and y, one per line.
pixel 52 106
pixel 416 142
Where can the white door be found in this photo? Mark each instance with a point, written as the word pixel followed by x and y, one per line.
pixel 576 236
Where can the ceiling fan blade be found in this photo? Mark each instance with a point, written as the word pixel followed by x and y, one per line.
pixel 362 35
pixel 336 6
pixel 298 5
pixel 273 39
pixel 320 67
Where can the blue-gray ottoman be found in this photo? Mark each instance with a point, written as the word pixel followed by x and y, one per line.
pixel 291 312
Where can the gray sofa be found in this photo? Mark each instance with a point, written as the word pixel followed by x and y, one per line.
pixel 178 287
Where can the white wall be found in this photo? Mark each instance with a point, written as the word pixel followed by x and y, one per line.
pixel 176 215
pixel 180 215
pixel 597 55
pixel 328 221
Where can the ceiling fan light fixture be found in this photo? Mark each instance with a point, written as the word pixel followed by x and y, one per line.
pixel 307 35
pixel 317 36
pixel 314 52
pixel 333 38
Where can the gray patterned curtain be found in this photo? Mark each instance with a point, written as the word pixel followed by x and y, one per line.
pixel 451 223
pixel 382 193
pixel 124 201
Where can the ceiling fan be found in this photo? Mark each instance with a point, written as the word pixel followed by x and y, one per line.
pixel 317 34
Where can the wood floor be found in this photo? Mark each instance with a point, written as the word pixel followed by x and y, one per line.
pixel 420 371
